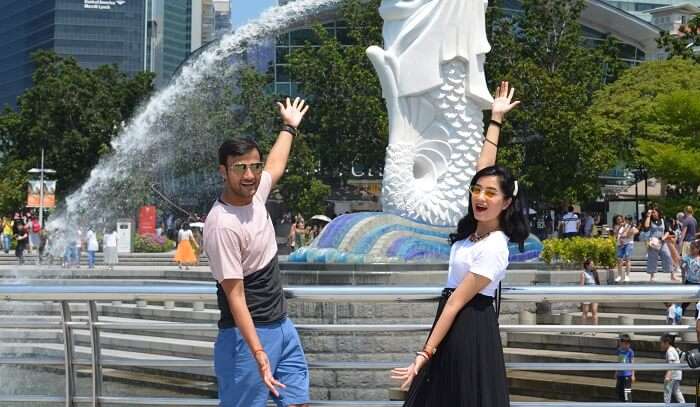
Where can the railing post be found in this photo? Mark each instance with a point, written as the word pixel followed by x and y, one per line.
pixel 68 353
pixel 96 355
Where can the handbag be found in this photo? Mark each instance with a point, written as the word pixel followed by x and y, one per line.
pixel 654 243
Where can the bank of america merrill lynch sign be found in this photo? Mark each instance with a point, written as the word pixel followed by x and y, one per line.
pixel 102 4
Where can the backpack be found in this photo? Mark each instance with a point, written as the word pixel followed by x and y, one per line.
pixel 36 227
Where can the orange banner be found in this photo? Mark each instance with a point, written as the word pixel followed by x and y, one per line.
pixel 34 194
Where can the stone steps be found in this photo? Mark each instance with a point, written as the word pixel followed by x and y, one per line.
pixel 601 343
pixel 587 389
pixel 520 355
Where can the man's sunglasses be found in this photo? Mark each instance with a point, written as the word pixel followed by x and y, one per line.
pixel 240 168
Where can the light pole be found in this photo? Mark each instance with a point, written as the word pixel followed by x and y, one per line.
pixel 41 172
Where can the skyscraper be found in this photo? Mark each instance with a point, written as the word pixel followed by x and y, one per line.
pixel 222 9
pixel 93 32
pixel 136 35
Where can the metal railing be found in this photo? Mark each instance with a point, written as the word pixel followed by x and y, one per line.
pixel 91 293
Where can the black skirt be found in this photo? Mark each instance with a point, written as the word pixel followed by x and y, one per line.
pixel 468 369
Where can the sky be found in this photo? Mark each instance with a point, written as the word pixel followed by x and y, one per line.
pixel 244 10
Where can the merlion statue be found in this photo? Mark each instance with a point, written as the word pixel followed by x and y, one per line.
pixel 432 77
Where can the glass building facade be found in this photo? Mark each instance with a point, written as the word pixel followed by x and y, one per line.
pixel 25 26
pixel 641 8
pixel 287 43
pixel 94 33
pixel 135 35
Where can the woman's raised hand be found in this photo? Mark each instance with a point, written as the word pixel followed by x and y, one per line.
pixel 503 101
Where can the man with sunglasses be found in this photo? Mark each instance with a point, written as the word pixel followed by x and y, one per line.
pixel 258 354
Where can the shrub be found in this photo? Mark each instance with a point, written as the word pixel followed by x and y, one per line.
pixel 153 244
pixel 578 249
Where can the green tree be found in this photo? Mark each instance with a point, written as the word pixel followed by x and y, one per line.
pixel 348 121
pixel 652 116
pixel 543 54
pixel 685 44
pixel 71 112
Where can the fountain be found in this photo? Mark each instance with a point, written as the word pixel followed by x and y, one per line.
pixel 432 77
pixel 168 130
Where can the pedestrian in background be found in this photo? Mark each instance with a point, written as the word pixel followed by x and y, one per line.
pixel 8 230
pixel 625 378
pixel 658 233
pixel 689 230
pixel 92 246
pixel 109 246
pixel 672 378
pixel 570 223
pixel 185 254
pixel 22 238
pixel 589 277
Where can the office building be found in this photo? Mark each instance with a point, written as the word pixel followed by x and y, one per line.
pixel 135 35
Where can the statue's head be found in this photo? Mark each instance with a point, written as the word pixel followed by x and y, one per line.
pixel 392 10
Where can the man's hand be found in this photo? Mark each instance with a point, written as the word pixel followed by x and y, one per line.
pixel 266 373
pixel 292 113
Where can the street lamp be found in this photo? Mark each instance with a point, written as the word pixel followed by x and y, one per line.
pixel 41 171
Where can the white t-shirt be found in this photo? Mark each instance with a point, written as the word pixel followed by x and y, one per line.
pixel 570 222
pixel 92 244
pixel 487 258
pixel 240 240
pixel 184 235
pixel 110 239
pixel 672 357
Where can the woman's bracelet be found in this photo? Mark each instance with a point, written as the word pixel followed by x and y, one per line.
pixel 496 123
pixel 291 130
pixel 486 139
pixel 429 350
pixel 255 352
pixel 424 355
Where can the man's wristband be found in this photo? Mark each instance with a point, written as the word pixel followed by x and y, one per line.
pixel 291 130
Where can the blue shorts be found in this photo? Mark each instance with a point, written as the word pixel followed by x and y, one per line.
pixel 625 252
pixel 240 384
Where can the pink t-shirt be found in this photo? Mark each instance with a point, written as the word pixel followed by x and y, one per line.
pixel 240 240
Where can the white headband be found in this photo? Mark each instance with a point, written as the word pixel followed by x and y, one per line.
pixel 515 190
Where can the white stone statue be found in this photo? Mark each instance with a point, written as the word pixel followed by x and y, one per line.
pixel 432 77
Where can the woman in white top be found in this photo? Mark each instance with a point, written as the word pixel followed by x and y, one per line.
pixel 461 364
pixel 109 244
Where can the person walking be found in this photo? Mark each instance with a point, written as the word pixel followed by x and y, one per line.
pixel 689 230
pixel 34 230
pixel 672 378
pixel 22 238
pixel 8 230
pixel 185 254
pixel 258 354
pixel 92 246
pixel 589 277
pixel 462 363
pixel 624 234
pixel 109 246
pixel 657 245
pixel 570 223
pixel 625 378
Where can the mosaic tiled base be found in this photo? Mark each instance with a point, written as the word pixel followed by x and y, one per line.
pixel 375 237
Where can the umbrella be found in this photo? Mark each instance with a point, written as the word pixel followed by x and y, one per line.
pixel 322 218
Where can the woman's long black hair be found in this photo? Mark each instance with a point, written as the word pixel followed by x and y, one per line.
pixel 513 220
